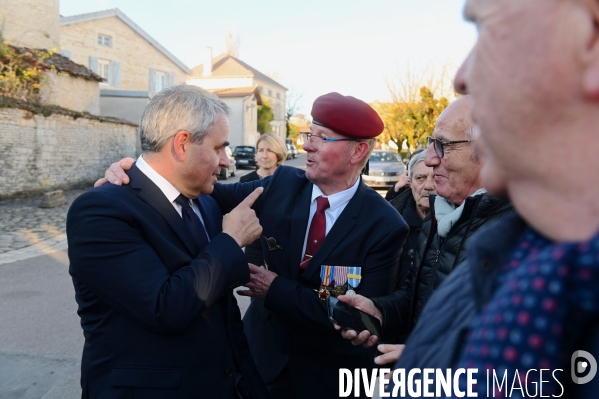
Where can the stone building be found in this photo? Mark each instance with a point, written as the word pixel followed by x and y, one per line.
pixel 30 23
pixel 55 142
pixel 133 64
pixel 226 72
pixel 243 122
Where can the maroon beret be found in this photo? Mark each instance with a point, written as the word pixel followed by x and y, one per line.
pixel 347 115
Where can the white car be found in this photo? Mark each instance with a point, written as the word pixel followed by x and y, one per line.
pixel 385 168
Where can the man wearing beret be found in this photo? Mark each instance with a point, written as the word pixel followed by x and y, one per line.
pixel 323 216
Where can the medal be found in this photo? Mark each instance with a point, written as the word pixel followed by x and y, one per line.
pixel 354 277
pixel 327 274
pixel 340 280
pixel 323 293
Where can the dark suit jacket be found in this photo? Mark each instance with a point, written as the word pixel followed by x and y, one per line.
pixel 291 325
pixel 158 313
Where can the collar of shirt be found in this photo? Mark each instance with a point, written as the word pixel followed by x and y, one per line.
pixel 169 191
pixel 337 202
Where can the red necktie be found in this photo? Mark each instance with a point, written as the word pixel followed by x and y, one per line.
pixel 317 232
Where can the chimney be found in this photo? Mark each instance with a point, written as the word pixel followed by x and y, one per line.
pixel 208 62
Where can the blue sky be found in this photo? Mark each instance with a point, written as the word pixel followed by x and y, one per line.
pixel 315 46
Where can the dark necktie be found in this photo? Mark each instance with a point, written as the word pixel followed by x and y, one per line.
pixel 317 232
pixel 192 221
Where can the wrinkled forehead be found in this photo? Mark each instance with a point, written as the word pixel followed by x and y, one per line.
pixel 451 129
pixel 421 169
pixel 323 131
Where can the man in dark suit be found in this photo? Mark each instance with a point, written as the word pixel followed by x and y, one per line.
pixel 154 266
pixel 295 346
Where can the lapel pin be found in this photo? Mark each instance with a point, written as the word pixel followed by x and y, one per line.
pixel 272 244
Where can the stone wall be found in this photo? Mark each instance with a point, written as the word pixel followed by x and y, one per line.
pixel 71 92
pixel 31 23
pixel 39 154
pixel 135 54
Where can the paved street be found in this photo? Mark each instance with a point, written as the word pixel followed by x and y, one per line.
pixel 40 336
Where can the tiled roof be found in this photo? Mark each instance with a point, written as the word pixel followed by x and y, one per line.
pixel 238 92
pixel 115 12
pixel 226 65
pixel 61 63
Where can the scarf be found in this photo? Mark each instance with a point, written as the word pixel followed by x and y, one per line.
pixel 447 213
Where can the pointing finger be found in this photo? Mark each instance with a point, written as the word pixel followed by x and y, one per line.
pixel 250 199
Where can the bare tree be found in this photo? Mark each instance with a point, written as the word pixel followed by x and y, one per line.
pixel 417 99
pixel 301 120
pixel 232 42
pixel 293 102
pixel 274 75
pixel 405 86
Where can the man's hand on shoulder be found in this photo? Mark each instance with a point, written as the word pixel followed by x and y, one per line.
pixel 115 174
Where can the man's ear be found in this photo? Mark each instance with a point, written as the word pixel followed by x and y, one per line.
pixel 590 79
pixel 359 151
pixel 181 141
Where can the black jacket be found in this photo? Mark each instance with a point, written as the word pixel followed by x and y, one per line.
pixel 439 339
pixel 437 259
pixel 406 206
pixel 157 311
pixel 253 251
pixel 291 325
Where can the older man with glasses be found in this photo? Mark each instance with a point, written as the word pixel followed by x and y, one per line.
pixel 460 207
pixel 324 233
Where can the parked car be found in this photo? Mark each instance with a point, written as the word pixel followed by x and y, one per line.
pixel 245 155
pixel 224 172
pixel 291 151
pixel 385 169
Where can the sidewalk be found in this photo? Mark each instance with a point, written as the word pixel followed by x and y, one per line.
pixel 26 230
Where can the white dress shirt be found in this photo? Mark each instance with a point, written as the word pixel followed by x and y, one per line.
pixel 337 202
pixel 169 191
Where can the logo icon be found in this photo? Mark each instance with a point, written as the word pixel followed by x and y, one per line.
pixel 582 363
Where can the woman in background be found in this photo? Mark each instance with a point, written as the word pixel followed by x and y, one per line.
pixel 270 153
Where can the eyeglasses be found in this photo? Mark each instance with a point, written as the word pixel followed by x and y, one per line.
pixel 439 144
pixel 316 141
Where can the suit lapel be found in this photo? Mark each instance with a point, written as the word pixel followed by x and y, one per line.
pixel 343 225
pixel 153 196
pixel 299 226
pixel 212 218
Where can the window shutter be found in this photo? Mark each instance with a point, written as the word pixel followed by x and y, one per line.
pixel 152 80
pixel 170 79
pixel 115 73
pixel 66 53
pixel 93 64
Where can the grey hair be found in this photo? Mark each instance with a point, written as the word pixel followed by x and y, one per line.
pixel 473 133
pixel 415 160
pixel 371 143
pixel 177 108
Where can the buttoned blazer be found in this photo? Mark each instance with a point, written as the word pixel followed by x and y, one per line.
pixel 291 325
pixel 158 313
